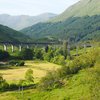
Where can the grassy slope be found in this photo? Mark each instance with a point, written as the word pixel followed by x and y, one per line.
pixel 82 8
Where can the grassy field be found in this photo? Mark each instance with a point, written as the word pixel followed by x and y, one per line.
pixel 40 68
pixel 82 86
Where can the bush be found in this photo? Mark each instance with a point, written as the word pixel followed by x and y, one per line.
pixel 63 72
pixel 38 54
pixel 50 81
pixel 83 61
pixel 20 63
pixel 29 75
pixel 16 63
pixel 4 55
pixel 13 62
pixel 48 56
pixel 22 82
pixel 3 84
pixel 59 60
pixel 13 86
pixel 26 54
pixel 58 51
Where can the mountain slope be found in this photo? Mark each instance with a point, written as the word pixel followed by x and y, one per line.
pixel 22 21
pixel 69 25
pixel 9 35
pixel 82 8
pixel 76 28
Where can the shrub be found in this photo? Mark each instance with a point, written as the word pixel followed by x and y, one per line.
pixel 59 60
pixel 26 54
pixel 4 55
pixel 3 84
pixel 22 82
pixel 16 63
pixel 58 51
pixel 63 72
pixel 80 62
pixel 13 62
pixel 50 81
pixel 48 56
pixel 13 86
pixel 29 75
pixel 20 63
pixel 38 54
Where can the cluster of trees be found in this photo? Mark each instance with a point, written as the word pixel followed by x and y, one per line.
pixel 57 78
pixel 50 54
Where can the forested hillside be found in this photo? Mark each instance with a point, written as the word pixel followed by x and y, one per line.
pixel 77 28
pixel 9 35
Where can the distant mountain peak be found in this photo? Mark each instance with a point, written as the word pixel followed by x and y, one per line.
pixel 21 21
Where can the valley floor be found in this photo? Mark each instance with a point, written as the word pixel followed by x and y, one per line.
pixel 40 68
pixel 83 86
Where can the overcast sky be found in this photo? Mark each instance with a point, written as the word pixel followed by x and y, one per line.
pixel 34 7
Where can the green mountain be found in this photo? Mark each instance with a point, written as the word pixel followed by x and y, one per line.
pixel 23 21
pixel 82 8
pixel 79 22
pixel 9 35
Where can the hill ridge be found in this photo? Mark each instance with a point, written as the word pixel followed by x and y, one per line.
pixel 22 21
pixel 82 8
pixel 9 35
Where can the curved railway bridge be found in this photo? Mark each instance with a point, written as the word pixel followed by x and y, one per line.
pixel 21 45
